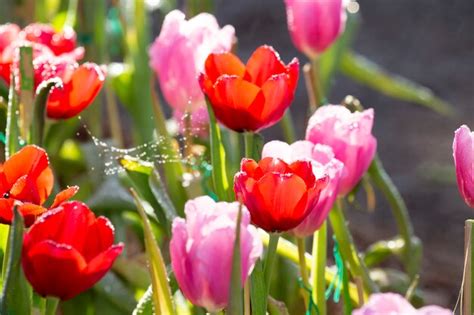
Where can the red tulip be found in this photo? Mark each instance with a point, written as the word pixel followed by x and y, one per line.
pixel 26 181
pixel 278 195
pixel 68 250
pixel 81 84
pixel 249 97
pixel 59 42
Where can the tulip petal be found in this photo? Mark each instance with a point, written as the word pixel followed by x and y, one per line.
pixel 64 195
pixel 263 63
pixel 218 64
pixel 31 161
pixel 100 237
pixel 77 94
pixel 30 212
pixel 463 153
pixel 54 269
pixel 100 265
pixel 232 99
pixel 6 210
pixel 286 196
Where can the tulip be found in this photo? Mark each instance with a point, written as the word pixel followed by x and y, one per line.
pixel 463 153
pixel 177 56
pixel 81 85
pixel 26 181
pixel 8 33
pixel 59 42
pixel 279 195
pixel 349 135
pixel 249 97
pixel 202 249
pixel 323 163
pixel 314 25
pixel 395 304
pixel 68 250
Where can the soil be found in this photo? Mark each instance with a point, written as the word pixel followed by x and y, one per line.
pixel 432 43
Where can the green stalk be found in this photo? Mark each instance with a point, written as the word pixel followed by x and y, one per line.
pixel 289 133
pixel 412 247
pixel 319 268
pixel 300 242
pixel 269 261
pixel 51 305
pixel 348 250
pixel 317 88
pixel 248 144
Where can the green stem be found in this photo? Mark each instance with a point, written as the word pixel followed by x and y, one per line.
pixel 288 127
pixel 302 264
pixel 348 250
pixel 248 144
pixel 268 264
pixel 412 248
pixel 319 268
pixel 317 88
pixel 51 305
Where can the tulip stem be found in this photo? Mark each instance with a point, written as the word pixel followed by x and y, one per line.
pixel 347 247
pixel 317 88
pixel 300 242
pixel 51 305
pixel 248 143
pixel 269 261
pixel 288 127
pixel 319 268
pixel 412 246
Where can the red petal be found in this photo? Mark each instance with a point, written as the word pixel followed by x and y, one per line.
pixel 234 101
pixel 100 236
pixel 278 97
pixel 44 184
pixel 6 210
pixel 282 199
pixel 263 63
pixel 54 269
pixel 30 212
pixel 77 94
pixel 31 161
pixel 249 166
pixel 102 263
pixel 64 195
pixel 269 164
pixel 219 64
pixel 304 169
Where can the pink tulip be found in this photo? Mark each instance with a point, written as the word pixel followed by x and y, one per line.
pixel 463 153
pixel 178 54
pixel 202 247
pixel 198 124
pixel 350 137
pixel 323 163
pixel 8 33
pixel 315 24
pixel 395 304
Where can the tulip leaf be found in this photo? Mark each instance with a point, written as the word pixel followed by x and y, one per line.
pixel 110 196
pixel 162 300
pixel 364 71
pixel 161 195
pixel 258 289
pixel 235 290
pixel 218 159
pixel 12 133
pixel 115 291
pixel 381 250
pixel 16 292
pixel 39 115
pixel 145 304
pixel 133 271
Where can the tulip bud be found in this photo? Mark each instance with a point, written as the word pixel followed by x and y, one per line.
pixel 350 137
pixel 177 56
pixel 202 249
pixel 249 97
pixel 324 164
pixel 315 24
pixel 68 250
pixel 395 304
pixel 279 195
pixel 463 153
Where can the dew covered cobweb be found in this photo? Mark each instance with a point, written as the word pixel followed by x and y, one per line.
pixel 150 152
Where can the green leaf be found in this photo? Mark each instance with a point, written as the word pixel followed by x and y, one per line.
pixel 161 195
pixel 133 271
pixel 381 250
pixel 161 291
pixel 111 196
pixel 12 133
pixel 218 159
pixel 16 292
pixel 364 71
pixel 258 289
pixel 235 290
pixel 39 115
pixel 145 304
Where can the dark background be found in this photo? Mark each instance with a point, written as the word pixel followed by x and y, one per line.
pixel 432 43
